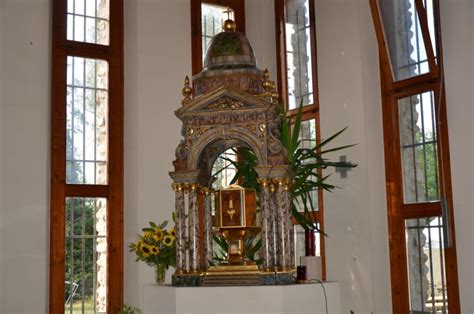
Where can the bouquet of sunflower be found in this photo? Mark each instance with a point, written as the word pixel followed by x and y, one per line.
pixel 156 245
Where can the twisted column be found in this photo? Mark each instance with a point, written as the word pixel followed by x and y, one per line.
pixel 267 226
pixel 193 229
pixel 180 229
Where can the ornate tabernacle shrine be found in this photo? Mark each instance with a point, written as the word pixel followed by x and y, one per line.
pixel 231 104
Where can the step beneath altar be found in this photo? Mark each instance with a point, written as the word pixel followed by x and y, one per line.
pixel 298 298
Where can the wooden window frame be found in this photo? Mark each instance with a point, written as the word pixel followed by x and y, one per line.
pixel 398 212
pixel 309 111
pixel 113 191
pixel 196 32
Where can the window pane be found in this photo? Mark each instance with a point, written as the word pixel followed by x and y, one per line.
pixel 307 140
pixel 406 49
pixel 426 265
pixel 298 53
pixel 212 18
pixel 223 171
pixel 86 255
pixel 86 121
pixel 308 134
pixel 418 139
pixel 300 242
pixel 88 21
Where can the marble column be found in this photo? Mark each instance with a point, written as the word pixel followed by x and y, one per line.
pixel 290 252
pixel 282 223
pixel 275 233
pixel 180 229
pixel 267 227
pixel 193 232
pixel 207 227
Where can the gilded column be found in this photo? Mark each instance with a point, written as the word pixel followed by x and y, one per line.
pixel 180 229
pixel 207 227
pixel 193 229
pixel 267 226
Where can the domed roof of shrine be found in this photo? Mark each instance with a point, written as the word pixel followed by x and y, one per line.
pixel 229 50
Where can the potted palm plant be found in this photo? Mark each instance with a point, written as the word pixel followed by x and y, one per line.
pixel 306 165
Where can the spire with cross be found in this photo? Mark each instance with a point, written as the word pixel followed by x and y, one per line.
pixel 228 12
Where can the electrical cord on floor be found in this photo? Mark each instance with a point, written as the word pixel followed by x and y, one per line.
pixel 324 291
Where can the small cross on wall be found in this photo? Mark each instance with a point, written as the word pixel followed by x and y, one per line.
pixel 343 170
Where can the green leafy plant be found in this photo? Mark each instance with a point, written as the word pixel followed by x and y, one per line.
pixel 127 309
pixel 249 251
pixel 306 165
pixel 156 245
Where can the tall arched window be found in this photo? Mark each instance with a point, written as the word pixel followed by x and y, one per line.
pixel 419 197
pixel 86 232
pixel 207 17
pixel 297 84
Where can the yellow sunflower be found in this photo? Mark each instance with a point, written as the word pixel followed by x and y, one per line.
pixel 158 234
pixel 146 250
pixel 139 244
pixel 148 234
pixel 168 240
pixel 155 250
pixel 172 232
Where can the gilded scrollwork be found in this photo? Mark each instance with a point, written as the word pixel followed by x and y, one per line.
pixel 274 143
pixel 225 103
pixel 251 127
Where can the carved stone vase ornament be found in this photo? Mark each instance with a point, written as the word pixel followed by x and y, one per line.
pixel 231 103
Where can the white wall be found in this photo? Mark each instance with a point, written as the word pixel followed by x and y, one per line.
pixel 458 47
pixel 24 180
pixel 2 27
pixel 260 30
pixel 355 215
pixel 157 58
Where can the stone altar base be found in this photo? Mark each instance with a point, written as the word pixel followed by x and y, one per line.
pixel 243 279
pixel 275 299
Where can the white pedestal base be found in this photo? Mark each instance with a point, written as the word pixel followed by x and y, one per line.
pixel 304 298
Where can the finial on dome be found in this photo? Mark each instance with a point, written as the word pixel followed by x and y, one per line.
pixel 229 24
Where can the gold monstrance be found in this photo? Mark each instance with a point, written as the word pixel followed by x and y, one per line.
pixel 236 222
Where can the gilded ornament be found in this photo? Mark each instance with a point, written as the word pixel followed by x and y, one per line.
pixel 186 92
pixel 225 103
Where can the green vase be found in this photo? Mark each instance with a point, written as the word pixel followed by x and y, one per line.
pixel 160 274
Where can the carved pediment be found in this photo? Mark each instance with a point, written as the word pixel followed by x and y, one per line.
pixel 223 99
